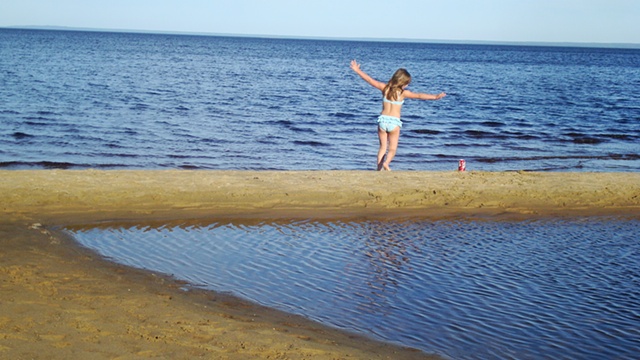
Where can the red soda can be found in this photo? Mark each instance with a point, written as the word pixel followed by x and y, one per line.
pixel 462 165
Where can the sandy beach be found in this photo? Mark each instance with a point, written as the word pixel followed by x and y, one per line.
pixel 60 301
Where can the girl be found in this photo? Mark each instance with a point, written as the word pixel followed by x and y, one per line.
pixel 393 94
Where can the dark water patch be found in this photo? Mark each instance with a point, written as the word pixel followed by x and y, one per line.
pixel 446 156
pixel 60 165
pixel 122 155
pixel 344 115
pixel 268 141
pixel 625 137
pixel 581 138
pixel 479 134
pixel 18 135
pixel 299 129
pixel 588 140
pixel 412 117
pixel 632 156
pixel 11 164
pixel 461 145
pixel 31 121
pixel 311 143
pixel 179 156
pixel 47 113
pixel 285 123
pixel 527 137
pixel 40 164
pixel 629 157
pixel 96 85
pixel 140 106
pixel 492 124
pixel 524 136
pixel 514 109
pixel 426 131
pixel 43 119
pixel 128 131
pixel 218 141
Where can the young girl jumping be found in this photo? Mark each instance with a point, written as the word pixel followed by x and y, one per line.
pixel 393 94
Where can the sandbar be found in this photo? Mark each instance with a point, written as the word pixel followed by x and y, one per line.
pixel 68 196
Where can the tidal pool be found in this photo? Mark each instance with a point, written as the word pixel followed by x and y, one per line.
pixel 465 289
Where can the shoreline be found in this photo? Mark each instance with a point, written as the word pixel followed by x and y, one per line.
pixel 64 301
pixel 67 302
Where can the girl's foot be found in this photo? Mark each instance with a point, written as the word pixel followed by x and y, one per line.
pixel 381 163
pixel 386 167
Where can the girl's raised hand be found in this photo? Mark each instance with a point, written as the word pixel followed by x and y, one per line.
pixel 354 65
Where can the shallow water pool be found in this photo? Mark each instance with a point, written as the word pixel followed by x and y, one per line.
pixel 562 289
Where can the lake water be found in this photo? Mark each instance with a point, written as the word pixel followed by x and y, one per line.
pixel 149 101
pixel 538 289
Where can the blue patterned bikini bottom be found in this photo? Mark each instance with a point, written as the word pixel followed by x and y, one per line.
pixel 388 123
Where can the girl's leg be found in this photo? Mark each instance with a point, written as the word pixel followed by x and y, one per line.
pixel 393 137
pixel 382 136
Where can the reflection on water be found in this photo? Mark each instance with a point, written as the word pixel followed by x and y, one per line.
pixel 466 289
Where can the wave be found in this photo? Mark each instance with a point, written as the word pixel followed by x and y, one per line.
pixel 311 143
pixel 43 165
pixel 344 115
pixel 493 124
pixel 623 157
pixel 426 131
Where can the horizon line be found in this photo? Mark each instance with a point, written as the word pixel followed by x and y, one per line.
pixel 303 37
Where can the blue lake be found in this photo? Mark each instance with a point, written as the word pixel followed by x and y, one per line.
pixel 148 101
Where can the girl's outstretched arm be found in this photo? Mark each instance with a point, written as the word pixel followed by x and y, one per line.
pixel 421 96
pixel 373 82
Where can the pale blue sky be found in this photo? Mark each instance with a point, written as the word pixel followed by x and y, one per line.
pixel 592 21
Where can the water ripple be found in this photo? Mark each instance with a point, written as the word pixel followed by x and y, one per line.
pixel 149 92
pixel 534 289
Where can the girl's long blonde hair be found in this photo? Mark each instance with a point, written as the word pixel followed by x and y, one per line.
pixel 393 89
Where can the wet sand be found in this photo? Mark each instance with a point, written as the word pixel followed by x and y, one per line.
pixel 59 301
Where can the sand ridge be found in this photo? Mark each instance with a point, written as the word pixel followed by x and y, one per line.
pixel 89 195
